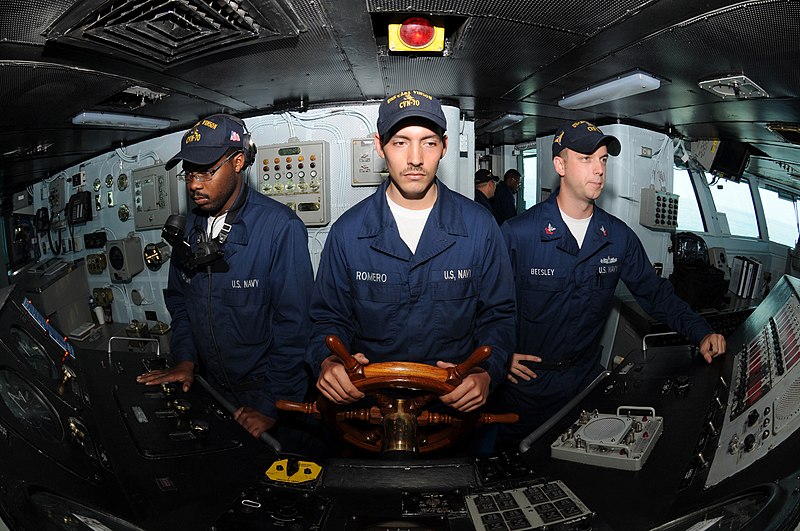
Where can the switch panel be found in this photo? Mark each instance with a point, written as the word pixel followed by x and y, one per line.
pixel 298 175
pixel 155 196
pixel 56 198
pixel 369 168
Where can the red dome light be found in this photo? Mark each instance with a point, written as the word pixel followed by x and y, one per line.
pixel 417 32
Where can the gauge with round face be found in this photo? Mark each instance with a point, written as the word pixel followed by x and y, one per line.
pixel 97 184
pixel 123 213
pixel 29 406
pixel 33 353
pixel 122 181
pixel 109 180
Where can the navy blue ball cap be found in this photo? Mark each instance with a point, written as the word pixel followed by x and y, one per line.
pixel 584 137
pixel 409 104
pixel 208 140
pixel 484 176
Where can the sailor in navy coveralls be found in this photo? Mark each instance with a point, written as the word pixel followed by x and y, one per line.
pixel 416 272
pixel 568 255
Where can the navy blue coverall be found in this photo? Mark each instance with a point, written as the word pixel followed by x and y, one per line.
pixel 504 204
pixel 453 295
pixel 564 295
pixel 247 327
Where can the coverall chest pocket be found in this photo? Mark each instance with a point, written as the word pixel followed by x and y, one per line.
pixel 454 306
pixel 376 309
pixel 246 313
pixel 540 296
pixel 606 281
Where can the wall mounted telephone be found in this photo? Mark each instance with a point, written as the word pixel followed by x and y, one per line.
pixel 41 220
pixel 79 208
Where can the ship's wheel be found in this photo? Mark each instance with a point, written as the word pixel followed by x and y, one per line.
pixel 394 416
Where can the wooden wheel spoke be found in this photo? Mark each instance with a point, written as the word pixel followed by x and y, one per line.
pixel 399 390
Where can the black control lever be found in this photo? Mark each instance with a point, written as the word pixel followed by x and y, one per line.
pixel 265 437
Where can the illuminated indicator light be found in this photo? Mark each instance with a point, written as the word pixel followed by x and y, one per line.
pixel 313 157
pixel 417 32
pixel 288 159
pixel 300 158
pixel 277 160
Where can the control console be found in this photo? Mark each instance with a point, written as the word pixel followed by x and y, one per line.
pixel 763 399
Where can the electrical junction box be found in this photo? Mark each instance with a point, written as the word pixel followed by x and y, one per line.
pixel 658 210
pixel 369 169
pixel 297 174
pixel 23 202
pixel 155 196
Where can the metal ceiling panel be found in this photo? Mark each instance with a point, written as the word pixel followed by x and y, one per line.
pixel 311 68
pixel 585 18
pixel 502 57
pixel 172 31
pixel 24 21
pixel 25 86
pixel 608 46
pixel 675 50
pixel 490 59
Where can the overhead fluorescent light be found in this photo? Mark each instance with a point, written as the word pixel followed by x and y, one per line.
pixel 622 87
pixel 737 87
pixel 504 121
pixel 119 121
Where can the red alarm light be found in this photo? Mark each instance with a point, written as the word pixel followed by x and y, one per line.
pixel 417 32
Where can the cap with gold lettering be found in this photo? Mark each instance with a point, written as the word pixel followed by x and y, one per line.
pixel 584 137
pixel 209 139
pixel 409 104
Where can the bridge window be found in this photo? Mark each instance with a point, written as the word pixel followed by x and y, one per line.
pixel 735 200
pixel 780 211
pixel 689 216
pixel 530 182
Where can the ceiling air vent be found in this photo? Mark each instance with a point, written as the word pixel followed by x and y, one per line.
pixel 737 87
pixel 172 31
